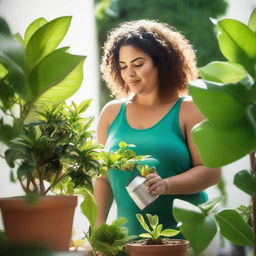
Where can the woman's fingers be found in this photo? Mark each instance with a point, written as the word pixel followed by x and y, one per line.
pixel 155 184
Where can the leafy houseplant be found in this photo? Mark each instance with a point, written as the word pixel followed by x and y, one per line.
pixel 154 244
pixel 227 99
pixel 34 73
pixel 110 239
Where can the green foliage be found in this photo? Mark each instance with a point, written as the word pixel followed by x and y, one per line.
pixel 226 97
pixel 58 148
pixel 229 129
pixel 110 239
pixel 124 159
pixel 184 15
pixel 154 229
pixel 197 224
pixel 33 72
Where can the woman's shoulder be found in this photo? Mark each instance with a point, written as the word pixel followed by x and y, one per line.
pixel 189 111
pixel 111 109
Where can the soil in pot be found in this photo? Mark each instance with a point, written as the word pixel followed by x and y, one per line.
pixel 169 247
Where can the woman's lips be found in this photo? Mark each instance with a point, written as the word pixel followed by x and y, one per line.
pixel 133 82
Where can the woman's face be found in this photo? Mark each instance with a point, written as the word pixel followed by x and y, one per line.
pixel 138 70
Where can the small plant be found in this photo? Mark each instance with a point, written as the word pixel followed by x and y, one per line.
pixel 124 159
pixel 154 229
pixel 110 239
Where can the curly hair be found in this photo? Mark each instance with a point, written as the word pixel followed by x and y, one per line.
pixel 170 51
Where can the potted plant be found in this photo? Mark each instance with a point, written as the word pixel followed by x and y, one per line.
pixel 227 98
pixel 110 240
pixel 33 74
pixel 153 243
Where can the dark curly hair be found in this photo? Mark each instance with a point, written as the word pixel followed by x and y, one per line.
pixel 170 51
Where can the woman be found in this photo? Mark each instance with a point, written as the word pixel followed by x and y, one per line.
pixel 150 64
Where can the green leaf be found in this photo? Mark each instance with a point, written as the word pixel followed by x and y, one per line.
pixel 231 101
pixel 33 27
pixel 224 145
pixel 12 57
pixel 252 21
pixel 46 39
pixel 186 212
pixel 24 169
pixel 169 232
pixel 4 28
pixel 199 234
pixel 62 90
pixel 211 204
pixel 52 70
pixel 237 43
pixel 222 72
pixel 84 105
pixel 198 228
pixel 246 182
pixel 231 130
pixel 234 228
pixel 145 235
pixel 153 220
pixel 89 207
pixel 32 198
pixel 120 221
pixel 142 222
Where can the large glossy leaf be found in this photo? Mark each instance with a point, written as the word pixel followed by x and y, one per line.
pixel 12 57
pixel 46 39
pixel 33 27
pixel 234 228
pixel 222 72
pixel 62 90
pixel 246 182
pixel 51 70
pixel 220 146
pixel 186 212
pixel 237 43
pixel 224 105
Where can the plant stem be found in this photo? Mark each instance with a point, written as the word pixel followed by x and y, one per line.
pixel 253 170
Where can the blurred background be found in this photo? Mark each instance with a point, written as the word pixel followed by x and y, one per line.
pixel 91 21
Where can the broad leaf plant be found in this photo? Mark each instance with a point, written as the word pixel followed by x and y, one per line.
pixel 226 96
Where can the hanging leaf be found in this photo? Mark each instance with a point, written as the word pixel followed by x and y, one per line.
pixel 234 228
pixel 246 182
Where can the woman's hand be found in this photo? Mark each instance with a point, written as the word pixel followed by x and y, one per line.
pixel 156 185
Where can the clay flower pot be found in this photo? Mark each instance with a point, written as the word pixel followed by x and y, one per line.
pixel 170 247
pixel 48 222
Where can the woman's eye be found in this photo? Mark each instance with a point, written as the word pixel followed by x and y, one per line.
pixel 138 65
pixel 122 67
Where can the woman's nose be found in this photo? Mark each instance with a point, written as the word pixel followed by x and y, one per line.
pixel 130 71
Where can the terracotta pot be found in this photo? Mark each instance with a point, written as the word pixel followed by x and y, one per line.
pixel 178 248
pixel 48 222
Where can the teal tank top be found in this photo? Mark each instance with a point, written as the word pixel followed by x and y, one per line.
pixel 163 142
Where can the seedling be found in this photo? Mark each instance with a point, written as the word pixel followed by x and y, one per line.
pixel 154 229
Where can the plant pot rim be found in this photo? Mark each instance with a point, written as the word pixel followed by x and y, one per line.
pixel 55 201
pixel 184 242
